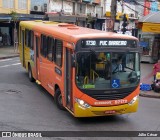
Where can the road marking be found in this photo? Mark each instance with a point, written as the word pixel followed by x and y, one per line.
pixel 16 64
pixel 17 60
pixel 10 65
pixel 5 60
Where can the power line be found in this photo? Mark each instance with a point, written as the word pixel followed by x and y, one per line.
pixel 133 10
pixel 123 2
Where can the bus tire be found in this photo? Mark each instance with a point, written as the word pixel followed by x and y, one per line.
pixel 58 99
pixel 30 73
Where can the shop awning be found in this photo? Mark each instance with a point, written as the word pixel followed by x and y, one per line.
pixel 151 22
pixel 152 18
pixel 151 27
pixel 8 17
pixel 5 18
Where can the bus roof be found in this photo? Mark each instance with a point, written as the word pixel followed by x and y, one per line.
pixel 70 32
pixel 32 24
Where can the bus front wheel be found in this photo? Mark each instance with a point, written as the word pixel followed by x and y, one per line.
pixel 30 73
pixel 58 99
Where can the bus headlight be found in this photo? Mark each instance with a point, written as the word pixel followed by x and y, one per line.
pixel 82 103
pixel 133 100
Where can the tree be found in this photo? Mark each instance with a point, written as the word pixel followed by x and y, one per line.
pixel 14 16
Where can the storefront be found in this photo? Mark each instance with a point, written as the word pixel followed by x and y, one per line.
pixel 7 26
pixel 150 44
pixel 150 37
pixel 5 30
pixel 62 18
pixel 100 23
pixel 81 21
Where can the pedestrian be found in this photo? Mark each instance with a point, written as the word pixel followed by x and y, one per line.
pixel 5 39
pixel 156 68
pixel 1 38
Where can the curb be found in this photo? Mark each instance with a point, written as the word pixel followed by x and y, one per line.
pixel 5 57
pixel 150 96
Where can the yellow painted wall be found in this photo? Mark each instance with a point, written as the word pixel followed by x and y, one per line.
pixel 108 14
pixel 15 8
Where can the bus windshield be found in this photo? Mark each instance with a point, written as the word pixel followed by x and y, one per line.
pixel 107 70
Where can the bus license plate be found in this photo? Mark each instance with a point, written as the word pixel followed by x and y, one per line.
pixel 110 112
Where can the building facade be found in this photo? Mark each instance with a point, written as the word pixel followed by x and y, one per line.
pixel 127 7
pixel 19 6
pixel 21 9
pixel 6 24
pixel 150 42
pixel 79 12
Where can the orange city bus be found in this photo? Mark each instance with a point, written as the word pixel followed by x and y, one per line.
pixel 89 72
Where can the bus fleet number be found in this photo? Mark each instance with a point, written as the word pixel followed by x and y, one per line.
pixel 120 101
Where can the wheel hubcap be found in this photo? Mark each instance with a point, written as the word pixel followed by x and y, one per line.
pixel 29 73
pixel 60 99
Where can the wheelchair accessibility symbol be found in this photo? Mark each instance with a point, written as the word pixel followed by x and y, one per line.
pixel 115 83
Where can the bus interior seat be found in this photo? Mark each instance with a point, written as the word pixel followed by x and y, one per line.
pixel 101 66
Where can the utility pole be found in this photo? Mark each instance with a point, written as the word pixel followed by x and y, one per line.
pixel 124 25
pixel 113 12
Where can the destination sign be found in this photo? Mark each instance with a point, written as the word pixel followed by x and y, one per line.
pixel 108 43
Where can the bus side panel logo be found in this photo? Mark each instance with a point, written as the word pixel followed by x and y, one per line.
pixel 6 134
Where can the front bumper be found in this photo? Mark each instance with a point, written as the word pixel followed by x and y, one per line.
pixel 105 111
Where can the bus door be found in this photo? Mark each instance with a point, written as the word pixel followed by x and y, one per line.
pixel 23 49
pixel 37 59
pixel 68 79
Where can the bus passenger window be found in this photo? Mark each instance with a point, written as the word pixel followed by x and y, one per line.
pixel 44 45
pixel 58 52
pixel 20 34
pixel 32 40
pixel 29 39
pixel 26 37
pixel 50 44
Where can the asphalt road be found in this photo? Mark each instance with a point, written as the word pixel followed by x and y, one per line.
pixel 26 106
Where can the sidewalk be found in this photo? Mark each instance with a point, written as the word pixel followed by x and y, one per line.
pixel 147 78
pixel 8 52
pixel 150 94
